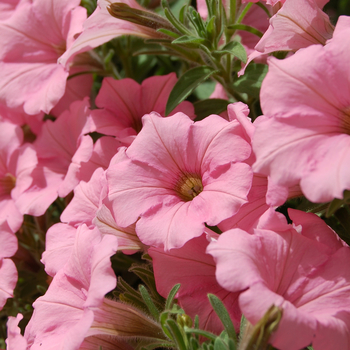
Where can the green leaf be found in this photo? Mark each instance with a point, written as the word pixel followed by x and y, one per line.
pixel 158 345
pixel 232 345
pixel 168 32
pixel 183 14
pixel 186 84
pixel 200 332
pixel 233 48
pixel 171 296
pixel 219 344
pixel 178 336
pixel 173 20
pixel 204 108
pixel 224 316
pixel 194 344
pixel 250 82
pixel 148 301
pixel 246 28
pixel 189 41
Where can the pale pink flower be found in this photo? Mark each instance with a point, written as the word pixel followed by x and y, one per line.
pixel 8 271
pixel 195 270
pixel 301 269
pixel 124 102
pixel 63 316
pixel 32 40
pixel 102 27
pixel 87 207
pixel 17 164
pixel 74 313
pixel 15 341
pixel 104 150
pixel 298 24
pixel 19 117
pixel 178 175
pixel 62 149
pixel 303 137
pixel 59 244
pixel 7 7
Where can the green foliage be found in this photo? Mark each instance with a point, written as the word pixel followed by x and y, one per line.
pixel 250 82
pixel 186 84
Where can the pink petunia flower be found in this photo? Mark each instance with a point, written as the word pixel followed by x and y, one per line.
pixel 8 271
pixel 195 270
pixel 124 102
pixel 303 137
pixel 101 27
pixel 18 161
pixel 7 7
pixel 61 151
pixel 178 175
pixel 298 24
pixel 31 45
pixel 63 316
pixel 15 341
pixel 301 269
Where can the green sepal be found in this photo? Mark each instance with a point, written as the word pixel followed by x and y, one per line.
pixel 250 82
pixel 186 84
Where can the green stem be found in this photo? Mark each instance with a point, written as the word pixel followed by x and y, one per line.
pixel 233 5
pixel 243 13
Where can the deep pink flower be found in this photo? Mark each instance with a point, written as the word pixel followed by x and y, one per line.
pixel 178 175
pixel 32 40
pixel 303 137
pixel 301 269
pixel 124 102
pixel 195 270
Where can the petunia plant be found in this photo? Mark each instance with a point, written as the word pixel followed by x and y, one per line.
pixel 174 175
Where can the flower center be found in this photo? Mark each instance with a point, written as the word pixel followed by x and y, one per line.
pixel 189 186
pixel 7 183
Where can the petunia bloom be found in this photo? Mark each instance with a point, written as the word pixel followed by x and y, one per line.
pixel 303 137
pixel 32 39
pixel 101 27
pixel 301 269
pixel 124 102
pixel 178 175
pixel 194 269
